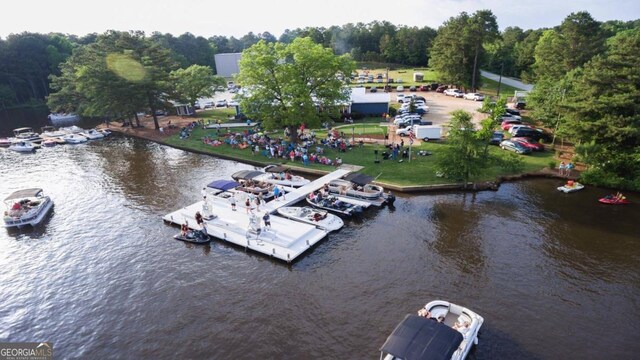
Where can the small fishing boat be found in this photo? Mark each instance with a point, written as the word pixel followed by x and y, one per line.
pixel 22 146
pixel 570 186
pixel 26 207
pixel 74 139
pixel 193 236
pixel 92 134
pixel 356 186
pixel 333 204
pixel 279 175
pixel 309 215
pixel 614 200
pixel 442 330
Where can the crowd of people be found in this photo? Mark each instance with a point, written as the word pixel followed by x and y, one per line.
pixel 308 149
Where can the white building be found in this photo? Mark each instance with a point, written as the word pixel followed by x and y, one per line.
pixel 227 64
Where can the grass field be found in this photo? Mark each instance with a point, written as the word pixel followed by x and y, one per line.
pixel 420 170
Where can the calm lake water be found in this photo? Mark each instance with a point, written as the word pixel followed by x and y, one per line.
pixel 555 276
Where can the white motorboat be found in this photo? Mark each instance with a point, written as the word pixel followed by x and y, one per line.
pixel 442 330
pixel 309 215
pixel 72 129
pixel 356 186
pixel 26 207
pixel 22 146
pixel 105 132
pixel 280 176
pixel 6 142
pixel 74 139
pixel 25 133
pixel 92 134
pixel 51 132
pixel 570 187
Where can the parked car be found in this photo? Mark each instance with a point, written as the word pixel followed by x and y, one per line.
pixel 233 103
pixel 454 92
pixel 400 98
pixel 399 120
pixel 534 134
pixel 412 88
pixel 400 88
pixel 514 146
pixel 512 111
pixel 425 88
pixel 520 105
pixel 411 122
pixel 208 104
pixel 508 116
pixel 420 111
pixel 474 96
pixel 496 138
pixel 196 105
pixel 373 89
pixel 529 143
pixel 221 103
pixel 421 98
pixel 434 86
pixel 441 88
pixel 507 124
pixel 515 127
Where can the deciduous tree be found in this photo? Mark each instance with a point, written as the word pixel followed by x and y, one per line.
pixel 293 84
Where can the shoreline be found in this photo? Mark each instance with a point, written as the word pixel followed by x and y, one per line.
pixel 151 134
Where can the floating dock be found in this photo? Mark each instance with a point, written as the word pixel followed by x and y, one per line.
pixel 284 240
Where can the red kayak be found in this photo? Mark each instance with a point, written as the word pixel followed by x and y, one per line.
pixel 613 201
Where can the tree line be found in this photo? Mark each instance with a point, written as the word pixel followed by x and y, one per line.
pixel 457 49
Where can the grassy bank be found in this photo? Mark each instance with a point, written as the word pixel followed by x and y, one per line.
pixel 419 170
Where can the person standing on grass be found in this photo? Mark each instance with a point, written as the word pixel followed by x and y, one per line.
pixel 561 168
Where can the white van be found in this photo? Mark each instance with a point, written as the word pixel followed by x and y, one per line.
pixel 427 132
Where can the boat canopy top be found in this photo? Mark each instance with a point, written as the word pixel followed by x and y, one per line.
pixel 24 193
pixel 275 169
pixel 223 185
pixel 22 129
pixel 419 338
pixel 246 174
pixel 360 179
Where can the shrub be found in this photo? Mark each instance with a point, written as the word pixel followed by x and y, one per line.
pixel 552 164
pixel 598 177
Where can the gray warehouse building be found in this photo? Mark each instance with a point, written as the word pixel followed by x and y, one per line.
pixel 227 64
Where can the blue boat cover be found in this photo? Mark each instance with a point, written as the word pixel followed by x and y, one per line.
pixel 223 185
pixel 419 338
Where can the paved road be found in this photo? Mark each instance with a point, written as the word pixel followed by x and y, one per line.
pixel 507 81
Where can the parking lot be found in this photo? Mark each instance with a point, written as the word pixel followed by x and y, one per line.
pixel 441 106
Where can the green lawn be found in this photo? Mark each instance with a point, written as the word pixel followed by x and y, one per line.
pixel 419 171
